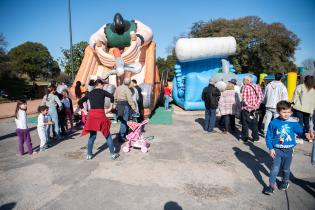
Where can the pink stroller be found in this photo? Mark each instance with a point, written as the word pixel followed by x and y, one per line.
pixel 135 138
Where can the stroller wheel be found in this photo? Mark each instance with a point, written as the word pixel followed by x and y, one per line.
pixel 144 149
pixel 126 149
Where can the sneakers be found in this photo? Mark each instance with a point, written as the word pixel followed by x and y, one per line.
pixel 114 156
pixel 269 190
pixel 43 149
pixel 245 140
pixel 284 185
pixel 89 157
pixel 213 131
pixel 256 140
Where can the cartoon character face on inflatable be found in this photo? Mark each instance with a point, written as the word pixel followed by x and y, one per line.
pixel 118 45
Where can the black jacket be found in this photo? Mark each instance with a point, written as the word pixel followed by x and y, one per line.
pixel 211 95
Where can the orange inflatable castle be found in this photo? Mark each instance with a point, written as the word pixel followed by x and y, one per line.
pixel 135 59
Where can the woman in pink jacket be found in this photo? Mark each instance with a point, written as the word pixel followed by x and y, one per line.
pixel 229 104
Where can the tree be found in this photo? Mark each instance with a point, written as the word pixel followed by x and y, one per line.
pixel 3 45
pixel 32 59
pixel 260 46
pixel 78 53
pixel 309 64
pixel 4 65
pixel 167 63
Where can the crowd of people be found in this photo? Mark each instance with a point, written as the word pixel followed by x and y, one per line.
pixel 264 109
pixel 283 120
pixel 56 114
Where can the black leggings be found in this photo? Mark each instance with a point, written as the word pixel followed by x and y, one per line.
pixel 304 118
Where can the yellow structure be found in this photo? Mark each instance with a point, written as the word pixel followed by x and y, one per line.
pixel 291 84
pixel 261 78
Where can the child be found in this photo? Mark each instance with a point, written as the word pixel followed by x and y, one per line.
pixel 67 102
pixel 21 127
pixel 41 126
pixel 280 140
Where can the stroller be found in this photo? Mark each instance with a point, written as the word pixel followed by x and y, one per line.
pixel 135 138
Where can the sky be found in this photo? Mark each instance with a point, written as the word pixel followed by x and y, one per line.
pixel 46 21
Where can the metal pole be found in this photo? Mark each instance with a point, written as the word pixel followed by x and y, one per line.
pixel 71 49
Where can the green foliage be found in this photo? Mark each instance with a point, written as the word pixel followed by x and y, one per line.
pixel 3 45
pixel 167 63
pixel 32 59
pixel 260 46
pixel 78 54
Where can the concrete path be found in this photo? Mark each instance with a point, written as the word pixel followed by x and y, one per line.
pixel 184 169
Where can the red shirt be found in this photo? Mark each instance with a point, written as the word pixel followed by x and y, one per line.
pixel 167 91
pixel 97 121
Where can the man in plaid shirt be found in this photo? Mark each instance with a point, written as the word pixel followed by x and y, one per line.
pixel 252 97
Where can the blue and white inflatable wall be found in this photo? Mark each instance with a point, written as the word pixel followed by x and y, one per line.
pixel 198 60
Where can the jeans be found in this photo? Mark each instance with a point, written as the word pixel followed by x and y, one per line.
pixel 270 114
pixel 229 122
pixel 249 119
pixel 210 117
pixel 92 139
pixel 54 117
pixel 282 159
pixel 304 118
pixel 166 101
pixel 123 122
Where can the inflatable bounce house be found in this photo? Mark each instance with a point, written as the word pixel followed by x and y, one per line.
pixel 118 50
pixel 198 60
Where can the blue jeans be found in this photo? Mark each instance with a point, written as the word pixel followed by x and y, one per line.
pixel 210 117
pixel 166 101
pixel 282 159
pixel 123 122
pixel 52 111
pixel 92 139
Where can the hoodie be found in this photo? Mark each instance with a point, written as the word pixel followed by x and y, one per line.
pixel 303 99
pixel 281 133
pixel 275 91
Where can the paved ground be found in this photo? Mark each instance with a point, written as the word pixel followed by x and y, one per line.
pixel 184 169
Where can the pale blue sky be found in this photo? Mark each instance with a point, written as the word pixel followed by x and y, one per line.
pixel 46 21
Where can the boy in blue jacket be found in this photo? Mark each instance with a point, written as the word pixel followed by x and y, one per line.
pixel 280 140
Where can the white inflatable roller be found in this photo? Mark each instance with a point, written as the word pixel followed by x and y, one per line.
pixel 202 48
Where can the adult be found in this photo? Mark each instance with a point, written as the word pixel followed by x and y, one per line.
pixel 275 91
pixel 140 99
pixel 123 104
pixel 228 107
pixel 135 98
pixel 237 88
pixel 97 120
pixel 77 90
pixel 53 102
pixel 252 98
pixel 61 87
pixel 210 95
pixel 304 102
pixel 167 96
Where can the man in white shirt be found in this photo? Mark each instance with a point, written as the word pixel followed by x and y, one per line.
pixel 275 91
